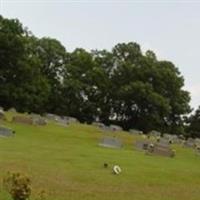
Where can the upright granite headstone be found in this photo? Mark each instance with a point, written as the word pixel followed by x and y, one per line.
pixel 154 133
pixel 98 124
pixel 70 119
pixel 190 142
pixel 167 136
pixel 181 137
pixel 12 110
pixel 161 150
pixel 62 122
pixel 38 120
pixel 197 149
pixel 115 128
pixel 142 145
pixel 105 128
pixel 175 139
pixel 164 141
pixel 6 132
pixel 2 115
pixel 197 142
pixel 135 132
pixel 110 142
pixel 170 138
pixel 52 117
pixel 23 120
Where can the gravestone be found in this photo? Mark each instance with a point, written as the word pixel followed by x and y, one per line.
pixel 197 142
pixel 154 133
pixel 12 110
pixel 110 142
pixel 190 142
pixel 115 128
pixel 70 120
pixel 52 117
pixel 175 139
pixel 98 124
pixel 181 137
pixel 38 120
pixel 2 115
pixel 167 136
pixel 163 141
pixel 62 122
pixel 161 150
pixel 135 132
pixel 171 138
pixel 142 145
pixel 106 128
pixel 6 132
pixel 22 119
pixel 197 149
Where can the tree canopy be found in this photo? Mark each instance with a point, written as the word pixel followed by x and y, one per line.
pixel 123 86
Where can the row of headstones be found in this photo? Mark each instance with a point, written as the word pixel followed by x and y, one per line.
pixel 152 134
pixel 165 138
pixel 63 120
pixel 38 119
pixel 174 139
pixel 157 148
pixel 32 119
pixel 35 119
pixel 169 139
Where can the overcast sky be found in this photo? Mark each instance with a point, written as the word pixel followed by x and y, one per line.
pixel 170 28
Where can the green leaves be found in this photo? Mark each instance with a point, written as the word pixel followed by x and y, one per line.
pixel 123 85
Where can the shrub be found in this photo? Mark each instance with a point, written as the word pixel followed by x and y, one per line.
pixel 17 185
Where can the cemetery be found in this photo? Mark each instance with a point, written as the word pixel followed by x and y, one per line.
pixel 87 112
pixel 85 148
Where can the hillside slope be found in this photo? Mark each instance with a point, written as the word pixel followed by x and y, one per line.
pixel 67 163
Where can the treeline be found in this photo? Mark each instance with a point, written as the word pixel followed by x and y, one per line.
pixel 123 86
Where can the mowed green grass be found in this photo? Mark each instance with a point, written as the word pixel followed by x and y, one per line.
pixel 67 163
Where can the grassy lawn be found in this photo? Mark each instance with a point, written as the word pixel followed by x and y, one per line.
pixel 67 163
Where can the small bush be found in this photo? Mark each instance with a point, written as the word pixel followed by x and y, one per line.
pixel 17 185
pixel 42 195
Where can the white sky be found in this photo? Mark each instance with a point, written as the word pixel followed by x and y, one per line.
pixel 170 28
